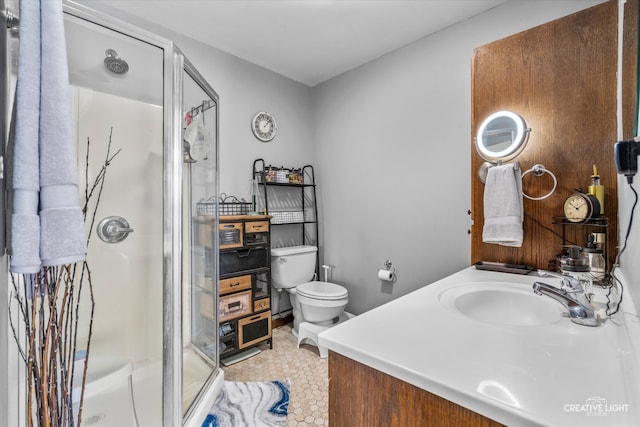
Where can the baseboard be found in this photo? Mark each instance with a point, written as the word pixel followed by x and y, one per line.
pixel 281 321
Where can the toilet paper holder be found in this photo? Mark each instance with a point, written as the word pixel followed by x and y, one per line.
pixel 390 268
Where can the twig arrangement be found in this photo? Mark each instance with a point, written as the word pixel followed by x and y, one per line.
pixel 48 304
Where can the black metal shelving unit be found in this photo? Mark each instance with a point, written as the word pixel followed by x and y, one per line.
pixel 307 217
pixel 593 225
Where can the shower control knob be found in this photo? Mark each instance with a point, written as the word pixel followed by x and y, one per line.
pixel 113 229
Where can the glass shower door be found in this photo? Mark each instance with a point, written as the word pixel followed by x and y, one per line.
pixel 120 92
pixel 200 267
pixel 117 96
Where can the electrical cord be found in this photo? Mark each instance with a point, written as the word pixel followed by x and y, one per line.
pixel 541 225
pixel 617 282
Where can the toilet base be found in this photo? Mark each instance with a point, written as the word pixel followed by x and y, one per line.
pixel 309 332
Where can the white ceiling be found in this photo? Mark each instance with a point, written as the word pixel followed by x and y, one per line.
pixel 309 41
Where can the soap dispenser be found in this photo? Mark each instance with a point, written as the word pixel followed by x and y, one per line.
pixel 596 189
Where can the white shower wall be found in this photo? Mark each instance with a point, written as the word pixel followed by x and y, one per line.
pixel 127 276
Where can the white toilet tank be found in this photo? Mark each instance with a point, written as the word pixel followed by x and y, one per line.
pixel 292 266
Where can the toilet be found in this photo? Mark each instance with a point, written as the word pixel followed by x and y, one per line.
pixel 318 303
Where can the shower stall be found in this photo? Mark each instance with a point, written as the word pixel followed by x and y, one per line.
pixel 140 106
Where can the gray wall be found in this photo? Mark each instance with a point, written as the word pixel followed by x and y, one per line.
pixel 392 149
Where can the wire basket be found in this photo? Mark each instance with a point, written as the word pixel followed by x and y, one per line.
pixel 225 208
pixel 286 217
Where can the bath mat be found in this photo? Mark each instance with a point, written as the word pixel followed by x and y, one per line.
pixel 250 404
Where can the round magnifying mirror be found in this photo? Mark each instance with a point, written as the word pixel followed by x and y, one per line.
pixel 501 137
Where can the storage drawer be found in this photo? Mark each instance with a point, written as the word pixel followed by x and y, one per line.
pixel 254 329
pixel 228 345
pixel 251 239
pixel 233 284
pixel 230 235
pixel 243 260
pixel 261 304
pixel 256 226
pixel 228 338
pixel 234 305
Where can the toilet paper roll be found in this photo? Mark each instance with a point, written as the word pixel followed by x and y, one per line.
pixel 385 275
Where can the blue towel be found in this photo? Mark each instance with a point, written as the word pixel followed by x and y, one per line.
pixel 44 172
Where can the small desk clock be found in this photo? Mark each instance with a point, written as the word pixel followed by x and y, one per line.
pixel 581 207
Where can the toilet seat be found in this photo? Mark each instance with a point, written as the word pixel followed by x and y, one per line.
pixel 324 291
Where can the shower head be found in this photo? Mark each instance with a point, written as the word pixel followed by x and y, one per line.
pixel 114 63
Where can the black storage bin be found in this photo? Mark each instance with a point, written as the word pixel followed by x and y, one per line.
pixel 254 331
pixel 236 261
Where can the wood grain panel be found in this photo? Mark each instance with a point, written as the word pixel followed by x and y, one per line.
pixel 630 70
pixel 360 396
pixel 561 77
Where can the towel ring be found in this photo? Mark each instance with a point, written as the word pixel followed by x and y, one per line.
pixel 539 170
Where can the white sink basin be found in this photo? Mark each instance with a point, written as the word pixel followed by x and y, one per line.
pixel 512 304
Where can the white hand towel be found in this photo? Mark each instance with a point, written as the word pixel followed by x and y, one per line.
pixel 503 212
pixel 24 246
pixel 62 236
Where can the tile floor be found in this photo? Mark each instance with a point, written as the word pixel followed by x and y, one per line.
pixel 309 401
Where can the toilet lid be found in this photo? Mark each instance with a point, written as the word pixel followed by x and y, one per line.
pixel 321 290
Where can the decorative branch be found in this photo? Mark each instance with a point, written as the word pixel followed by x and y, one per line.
pixel 48 306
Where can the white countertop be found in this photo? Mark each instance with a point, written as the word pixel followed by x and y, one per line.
pixel 541 374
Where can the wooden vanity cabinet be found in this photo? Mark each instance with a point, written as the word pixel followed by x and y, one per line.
pixel 360 396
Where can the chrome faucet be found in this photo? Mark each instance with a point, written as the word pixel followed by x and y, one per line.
pixel 579 309
pixel 569 283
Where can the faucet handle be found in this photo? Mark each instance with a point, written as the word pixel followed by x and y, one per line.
pixel 569 283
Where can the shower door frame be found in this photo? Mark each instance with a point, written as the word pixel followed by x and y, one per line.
pixel 205 399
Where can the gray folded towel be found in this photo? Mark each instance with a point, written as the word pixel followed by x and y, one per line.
pixel 503 212
pixel 25 225
pixel 62 236
pixel 26 237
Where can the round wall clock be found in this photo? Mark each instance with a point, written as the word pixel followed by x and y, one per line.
pixel 580 207
pixel 264 126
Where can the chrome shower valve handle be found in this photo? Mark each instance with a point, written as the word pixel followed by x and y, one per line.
pixel 113 229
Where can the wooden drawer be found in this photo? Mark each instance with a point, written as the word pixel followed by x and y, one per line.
pixel 253 329
pixel 234 305
pixel 261 304
pixel 234 284
pixel 256 226
pixel 230 235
